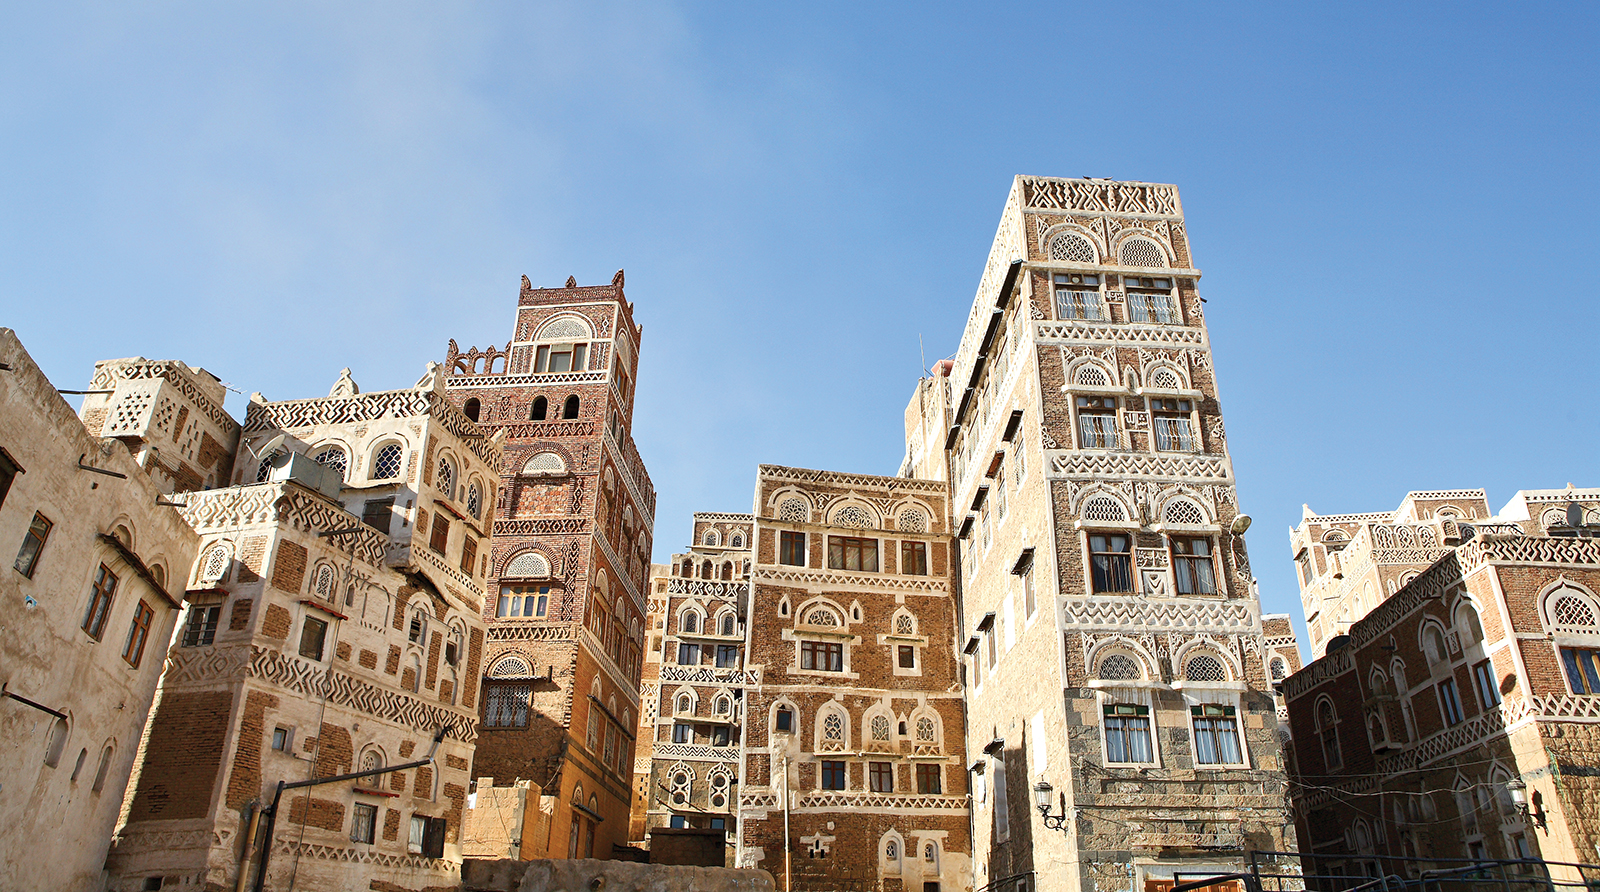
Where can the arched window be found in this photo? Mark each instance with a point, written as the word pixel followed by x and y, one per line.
pixel 736 541
pixel 527 565
pixel 822 616
pixel 793 511
pixel 56 742
pixel 710 538
pixel 1184 511
pixel 474 500
pixel 727 570
pixel 707 571
pixel 447 476
pixel 722 706
pixel 1328 733
pixel 216 563
pixel 833 729
pixel 1433 645
pixel 1091 376
pixel 1468 626
pixel 1142 252
pixel 104 769
pixel 1165 379
pixel 912 520
pixel 387 461
pixel 541 409
pixel 719 781
pixel 264 470
pixel 1104 508
pixel 1204 667
pixel 569 409
pixel 544 463
pixel 1120 667
pixel 690 622
pixel 1073 247
pixel 727 624
pixel 1280 669
pixel 688 569
pixel 332 457
pixel 685 704
pixel 471 408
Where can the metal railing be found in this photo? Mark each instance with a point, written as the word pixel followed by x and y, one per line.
pixel 1173 435
pixel 1097 431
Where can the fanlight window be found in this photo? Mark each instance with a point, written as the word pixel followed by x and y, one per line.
pixel 710 538
pixel 216 562
pixel 1570 610
pixel 736 541
pixel 833 731
pixel 913 520
pixel 926 731
pixel 511 667
pixel 447 478
pixel 1104 508
pixel 545 463
pixel 529 564
pixel 332 457
pixel 1204 668
pixel 1071 246
pixel 1119 667
pixel 386 464
pixel 566 328
pixel 905 625
pixel 793 511
pixel 853 516
pixel 264 470
pixel 1092 376
pixel 474 500
pixel 1184 511
pixel 821 616
pixel 1280 669
pixel 1165 379
pixel 880 727
pixel 1141 252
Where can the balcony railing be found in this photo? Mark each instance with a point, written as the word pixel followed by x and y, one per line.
pixel 1097 432
pixel 1174 435
pixel 1086 305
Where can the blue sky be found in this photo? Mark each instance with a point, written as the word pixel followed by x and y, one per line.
pixel 1394 207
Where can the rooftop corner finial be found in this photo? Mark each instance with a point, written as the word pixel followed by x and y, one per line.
pixel 345 386
pixel 572 281
pixel 527 286
pixel 617 279
pixel 432 379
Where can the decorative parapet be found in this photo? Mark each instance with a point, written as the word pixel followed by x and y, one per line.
pixel 1129 613
pixel 710 675
pixel 174 373
pixel 1469 733
pixel 1009 245
pixel 403 555
pixel 697 751
pixel 542 430
pixel 706 588
pixel 1157 200
pixel 878 803
pixel 1121 333
pixel 285 503
pixel 503 631
pixel 1549 550
pixel 293 414
pixel 1073 463
pixel 1307 679
pixel 316 681
pixel 526 379
pixel 634 477
pixel 927 585
pixel 855 481
pixel 541 526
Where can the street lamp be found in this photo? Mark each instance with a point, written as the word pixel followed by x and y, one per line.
pixel 1519 798
pixel 1041 798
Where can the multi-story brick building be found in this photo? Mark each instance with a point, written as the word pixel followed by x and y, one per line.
pixel 854 758
pixel 1115 664
pixel 334 625
pixel 694 691
pixel 1349 563
pixel 92 594
pixel 572 537
pixel 169 415
pixel 1459 718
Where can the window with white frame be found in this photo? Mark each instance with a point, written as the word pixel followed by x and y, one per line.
pixel 1078 297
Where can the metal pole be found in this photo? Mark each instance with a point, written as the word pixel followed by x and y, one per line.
pixel 786 875
pixel 249 840
pixel 266 847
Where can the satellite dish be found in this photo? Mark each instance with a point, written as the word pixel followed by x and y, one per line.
pixel 268 447
pixel 1574 514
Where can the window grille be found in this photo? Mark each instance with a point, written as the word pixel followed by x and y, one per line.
pixel 506 706
pixel 1280 669
pixel 325 582
pixel 332 457
pixel 474 500
pixel 1119 667
pixel 216 562
pixel 511 667
pixel 1097 431
pixel 1158 308
pixel 926 730
pixel 905 625
pixel 386 466
pixel 1572 611
pixel 1104 508
pixel 793 511
pixel 833 732
pixel 1086 305
pixel 264 470
pixel 880 727
pixel 566 328
pixel 913 521
pixel 1174 435
pixel 528 564
pixel 853 516
pixel 710 538
pixel 822 617
pixel 447 478
pixel 1184 511
pixel 737 541
pixel 545 463
pixel 1165 379
pixel 1092 376
pixel 1142 252
pixel 1204 668
pixel 1071 246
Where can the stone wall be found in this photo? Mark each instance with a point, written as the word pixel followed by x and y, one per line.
pixel 612 876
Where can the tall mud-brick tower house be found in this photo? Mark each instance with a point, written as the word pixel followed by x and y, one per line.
pixel 567 573
pixel 1110 626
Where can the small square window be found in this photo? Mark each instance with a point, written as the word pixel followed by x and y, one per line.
pixel 32 543
pixel 364 826
pixel 792 548
pixel 312 636
pixel 282 738
pixel 908 657
pixel 880 777
pixel 200 629
pixel 785 720
pixel 832 775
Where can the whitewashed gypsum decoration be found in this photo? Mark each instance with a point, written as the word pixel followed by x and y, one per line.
pixel 1121 613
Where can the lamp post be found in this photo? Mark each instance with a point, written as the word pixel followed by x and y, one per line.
pixel 1041 798
pixel 1519 798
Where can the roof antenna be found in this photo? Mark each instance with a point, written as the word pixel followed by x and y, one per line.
pixel 922 354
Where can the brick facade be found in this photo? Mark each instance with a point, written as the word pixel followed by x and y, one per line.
pixel 574 515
